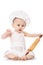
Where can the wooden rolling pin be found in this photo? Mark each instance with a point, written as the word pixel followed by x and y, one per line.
pixel 31 48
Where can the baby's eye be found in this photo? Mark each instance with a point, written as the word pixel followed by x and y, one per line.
pixel 22 25
pixel 18 24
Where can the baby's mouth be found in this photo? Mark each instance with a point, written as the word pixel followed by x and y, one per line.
pixel 20 30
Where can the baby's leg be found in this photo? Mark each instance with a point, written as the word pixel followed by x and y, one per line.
pixel 11 56
pixel 29 56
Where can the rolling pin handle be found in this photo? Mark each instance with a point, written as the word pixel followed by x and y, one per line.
pixel 40 36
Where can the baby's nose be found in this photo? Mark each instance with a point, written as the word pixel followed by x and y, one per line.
pixel 20 27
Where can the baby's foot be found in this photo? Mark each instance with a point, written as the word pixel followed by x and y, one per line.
pixel 23 58
pixel 10 56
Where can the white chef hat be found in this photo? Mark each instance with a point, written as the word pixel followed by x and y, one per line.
pixel 20 14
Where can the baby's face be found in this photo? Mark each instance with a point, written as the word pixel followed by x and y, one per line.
pixel 19 24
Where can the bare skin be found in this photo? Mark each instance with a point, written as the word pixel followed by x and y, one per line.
pixel 19 25
pixel 14 57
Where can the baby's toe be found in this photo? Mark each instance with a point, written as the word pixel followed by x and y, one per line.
pixel 23 58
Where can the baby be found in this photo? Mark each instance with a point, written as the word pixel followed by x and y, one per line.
pixel 18 48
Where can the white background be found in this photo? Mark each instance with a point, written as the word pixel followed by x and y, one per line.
pixel 35 10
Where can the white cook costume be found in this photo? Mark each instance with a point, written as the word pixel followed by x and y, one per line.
pixel 20 14
pixel 18 44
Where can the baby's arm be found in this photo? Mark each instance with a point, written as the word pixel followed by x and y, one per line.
pixel 6 34
pixel 31 35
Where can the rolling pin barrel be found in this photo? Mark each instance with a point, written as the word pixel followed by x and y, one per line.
pixel 35 43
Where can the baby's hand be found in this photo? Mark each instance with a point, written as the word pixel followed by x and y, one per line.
pixel 6 34
pixel 8 30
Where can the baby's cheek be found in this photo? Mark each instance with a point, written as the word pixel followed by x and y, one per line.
pixel 16 27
